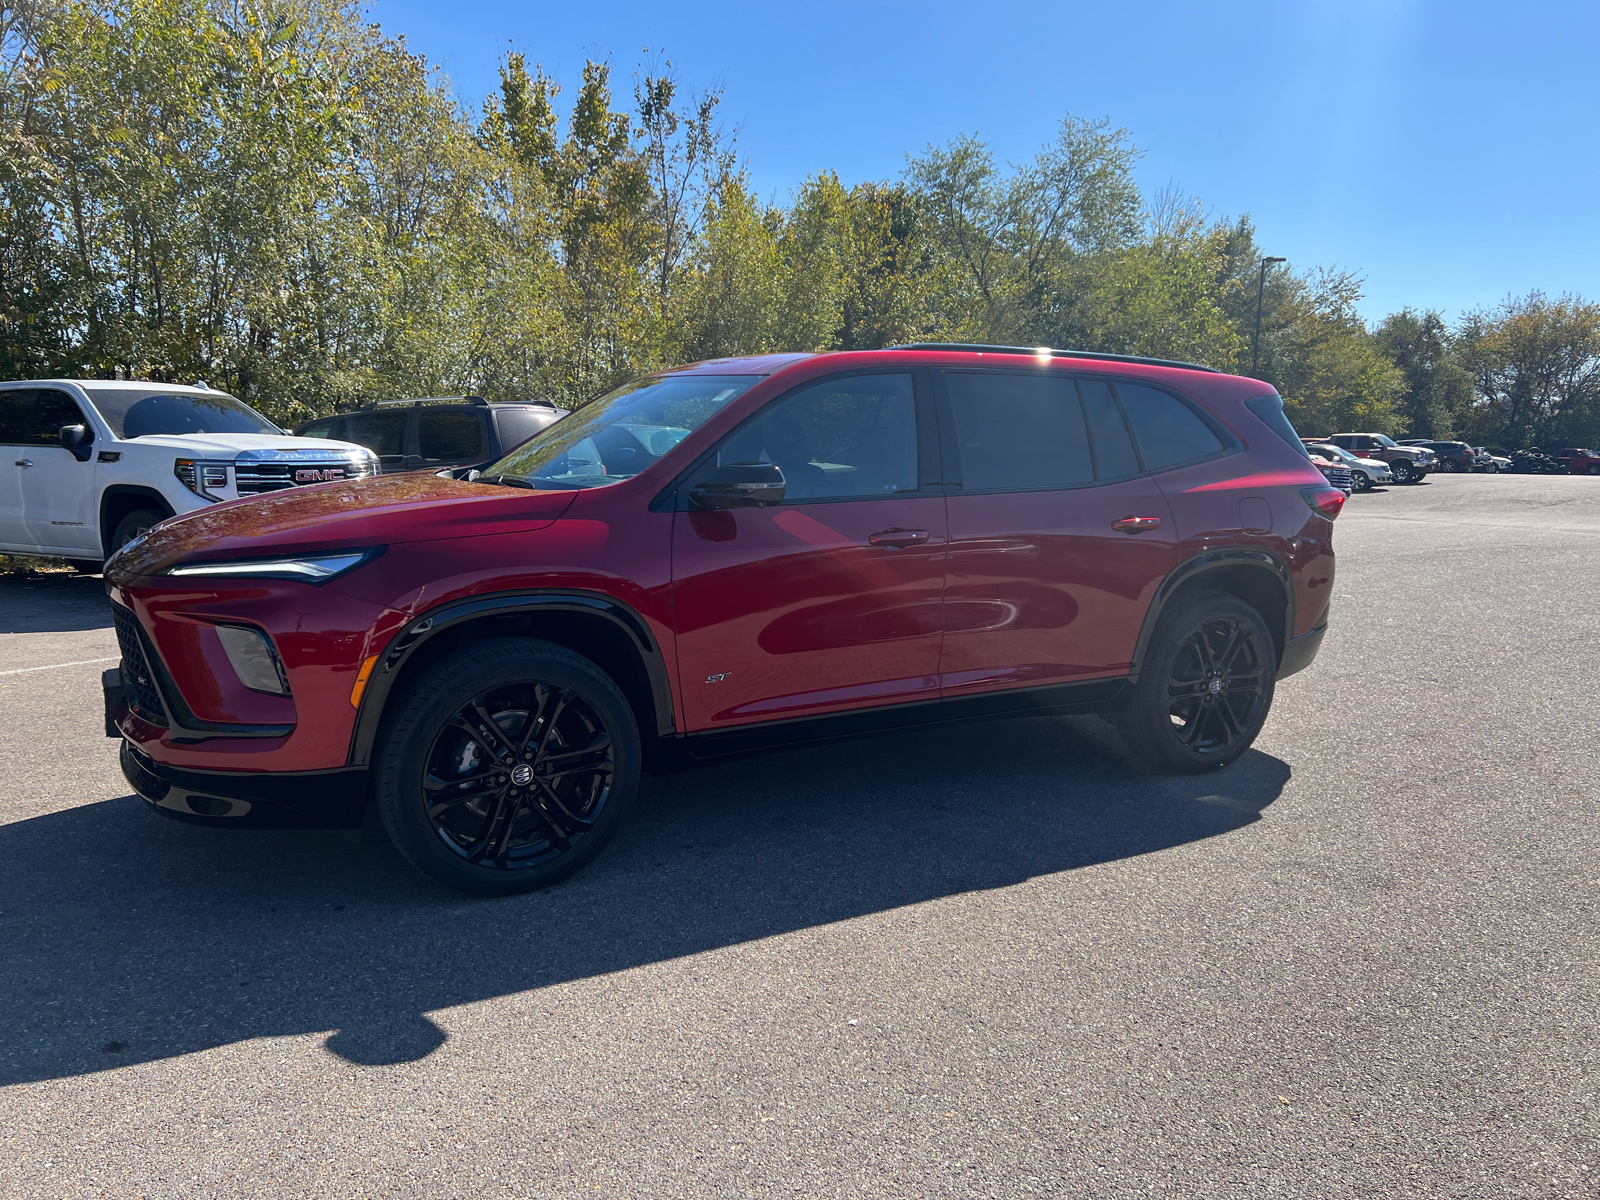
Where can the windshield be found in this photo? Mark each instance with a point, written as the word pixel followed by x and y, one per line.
pixel 1338 452
pixel 132 413
pixel 1385 440
pixel 620 434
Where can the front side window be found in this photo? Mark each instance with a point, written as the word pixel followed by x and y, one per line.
pixel 842 439
pixel 52 410
pixel 133 413
pixel 620 434
pixel 1019 432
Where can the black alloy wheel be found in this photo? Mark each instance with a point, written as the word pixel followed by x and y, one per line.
pixel 508 767
pixel 1451 465
pixel 1205 687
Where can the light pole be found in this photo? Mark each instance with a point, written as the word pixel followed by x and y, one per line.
pixel 1261 292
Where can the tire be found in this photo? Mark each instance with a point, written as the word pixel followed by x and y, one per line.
pixel 135 524
pixel 1594 468
pixel 488 831
pixel 1403 471
pixel 1361 481
pixel 85 566
pixel 1178 718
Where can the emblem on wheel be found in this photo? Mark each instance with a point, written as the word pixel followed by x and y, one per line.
pixel 521 774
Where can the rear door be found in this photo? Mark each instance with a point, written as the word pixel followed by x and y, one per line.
pixel 830 600
pixel 16 409
pixel 1058 538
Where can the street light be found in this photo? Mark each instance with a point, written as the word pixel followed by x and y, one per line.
pixel 1261 291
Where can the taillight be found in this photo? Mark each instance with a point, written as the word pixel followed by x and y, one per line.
pixel 1327 501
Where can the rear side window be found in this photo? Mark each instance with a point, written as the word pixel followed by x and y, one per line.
pixel 16 405
pixel 450 435
pixel 1168 431
pixel 384 433
pixel 1019 431
pixel 1270 411
pixel 1113 447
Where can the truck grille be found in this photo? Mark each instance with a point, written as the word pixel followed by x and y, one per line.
pixel 1338 475
pixel 136 673
pixel 258 478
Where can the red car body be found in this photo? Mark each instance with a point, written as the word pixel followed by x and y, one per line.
pixel 726 629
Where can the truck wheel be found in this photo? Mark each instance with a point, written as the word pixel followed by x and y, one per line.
pixel 1205 686
pixel 507 766
pixel 1403 471
pixel 1594 468
pixel 136 524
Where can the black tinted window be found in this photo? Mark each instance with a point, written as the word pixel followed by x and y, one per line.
pixel 323 429
pixel 517 425
pixel 843 439
pixel 1168 431
pixel 52 410
pixel 384 433
pixel 1019 431
pixel 450 435
pixel 16 413
pixel 1113 448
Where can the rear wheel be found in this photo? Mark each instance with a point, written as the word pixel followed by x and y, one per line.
pixel 1594 468
pixel 507 767
pixel 1205 686
pixel 1451 465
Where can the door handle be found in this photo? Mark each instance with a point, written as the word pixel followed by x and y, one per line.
pixel 23 462
pixel 1136 524
pixel 898 539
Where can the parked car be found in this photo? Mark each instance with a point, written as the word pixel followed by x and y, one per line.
pixel 732 555
pixel 1579 462
pixel 1334 471
pixel 1408 464
pixel 437 433
pixel 1365 473
pixel 91 464
pixel 1452 456
pixel 1492 462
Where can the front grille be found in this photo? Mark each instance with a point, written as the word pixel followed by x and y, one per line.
pixel 258 478
pixel 136 673
pixel 1338 476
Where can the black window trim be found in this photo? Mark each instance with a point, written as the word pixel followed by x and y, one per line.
pixel 952 457
pixel 675 496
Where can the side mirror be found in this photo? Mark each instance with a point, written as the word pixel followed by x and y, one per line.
pixel 76 438
pixel 739 485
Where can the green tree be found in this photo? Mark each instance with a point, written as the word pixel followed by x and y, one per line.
pixel 1535 364
pixel 1437 386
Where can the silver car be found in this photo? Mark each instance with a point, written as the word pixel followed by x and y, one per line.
pixel 1365 473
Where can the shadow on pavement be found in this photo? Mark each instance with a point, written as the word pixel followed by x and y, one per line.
pixel 53 602
pixel 127 938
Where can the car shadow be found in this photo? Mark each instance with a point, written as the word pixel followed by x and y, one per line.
pixel 53 602
pixel 128 938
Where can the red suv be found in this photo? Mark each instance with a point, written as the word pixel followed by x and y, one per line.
pixel 737 554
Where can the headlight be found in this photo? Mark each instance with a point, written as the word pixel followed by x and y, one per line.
pixel 308 568
pixel 204 479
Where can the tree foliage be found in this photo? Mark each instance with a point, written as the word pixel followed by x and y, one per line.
pixel 274 196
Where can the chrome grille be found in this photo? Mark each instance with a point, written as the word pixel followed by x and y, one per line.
pixel 258 478
pixel 1338 475
pixel 136 673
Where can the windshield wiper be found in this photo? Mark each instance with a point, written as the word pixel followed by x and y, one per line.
pixel 507 481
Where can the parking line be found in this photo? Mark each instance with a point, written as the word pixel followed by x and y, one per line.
pixel 82 662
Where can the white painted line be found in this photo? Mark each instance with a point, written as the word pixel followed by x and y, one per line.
pixel 82 662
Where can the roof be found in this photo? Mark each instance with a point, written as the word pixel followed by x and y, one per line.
pixel 130 385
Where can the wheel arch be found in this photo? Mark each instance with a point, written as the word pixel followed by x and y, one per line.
pixel 120 499
pixel 600 627
pixel 1257 576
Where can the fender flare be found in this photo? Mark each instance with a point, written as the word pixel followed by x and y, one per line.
pixel 134 490
pixel 429 624
pixel 1213 560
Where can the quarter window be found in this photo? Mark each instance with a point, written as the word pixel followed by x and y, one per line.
pixel 843 439
pixel 1019 432
pixel 1168 431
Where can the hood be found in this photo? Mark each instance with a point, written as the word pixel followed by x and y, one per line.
pixel 1375 463
pixel 382 510
pixel 226 445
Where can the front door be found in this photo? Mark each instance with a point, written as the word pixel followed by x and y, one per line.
pixel 832 598
pixel 1058 538
pixel 57 488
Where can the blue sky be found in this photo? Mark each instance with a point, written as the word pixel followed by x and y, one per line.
pixel 1448 152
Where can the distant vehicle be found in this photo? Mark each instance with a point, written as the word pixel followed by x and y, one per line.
pixel 1408 464
pixel 1579 462
pixel 1334 471
pixel 1453 456
pixel 1492 462
pixel 92 464
pixel 437 433
pixel 1365 473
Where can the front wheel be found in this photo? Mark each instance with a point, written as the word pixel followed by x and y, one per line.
pixel 1404 471
pixel 1361 480
pixel 135 525
pixel 1205 686
pixel 1594 468
pixel 508 766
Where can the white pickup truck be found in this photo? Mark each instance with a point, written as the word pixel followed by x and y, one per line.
pixel 89 465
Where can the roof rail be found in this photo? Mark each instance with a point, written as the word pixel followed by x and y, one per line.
pixel 417 403
pixel 1047 352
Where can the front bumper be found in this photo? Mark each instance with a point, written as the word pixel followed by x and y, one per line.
pixel 303 800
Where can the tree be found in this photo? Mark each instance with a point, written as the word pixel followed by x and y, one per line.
pixel 1437 387
pixel 1535 364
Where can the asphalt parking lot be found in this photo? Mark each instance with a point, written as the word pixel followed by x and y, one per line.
pixel 995 961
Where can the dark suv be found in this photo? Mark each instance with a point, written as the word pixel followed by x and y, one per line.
pixel 429 435
pixel 1453 456
pixel 738 554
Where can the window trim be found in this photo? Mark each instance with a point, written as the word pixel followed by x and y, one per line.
pixel 952 459
pixel 675 496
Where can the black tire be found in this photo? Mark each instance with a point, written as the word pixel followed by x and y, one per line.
pixel 1205 687
pixel 1594 468
pixel 135 524
pixel 486 830
pixel 1451 465
pixel 1404 472
pixel 1361 481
